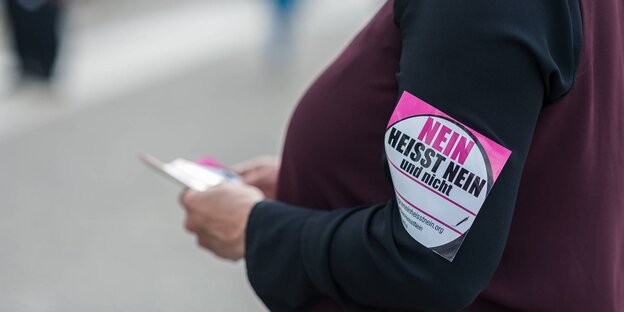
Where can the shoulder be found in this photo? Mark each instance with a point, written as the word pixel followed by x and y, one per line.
pixel 550 30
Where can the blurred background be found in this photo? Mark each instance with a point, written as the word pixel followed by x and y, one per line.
pixel 84 226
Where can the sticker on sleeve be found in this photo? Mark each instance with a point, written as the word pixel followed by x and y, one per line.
pixel 442 172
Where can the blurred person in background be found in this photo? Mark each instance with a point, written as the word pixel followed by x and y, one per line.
pixel 535 77
pixel 280 49
pixel 35 29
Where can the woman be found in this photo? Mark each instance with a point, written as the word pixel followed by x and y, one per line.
pixel 505 76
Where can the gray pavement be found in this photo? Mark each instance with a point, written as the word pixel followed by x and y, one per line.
pixel 85 227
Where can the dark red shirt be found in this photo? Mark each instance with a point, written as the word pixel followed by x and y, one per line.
pixel 551 234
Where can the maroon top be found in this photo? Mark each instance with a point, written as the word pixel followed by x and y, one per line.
pixel 323 138
pixel 565 250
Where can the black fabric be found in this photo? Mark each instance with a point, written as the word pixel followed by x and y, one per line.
pixel 36 37
pixel 490 65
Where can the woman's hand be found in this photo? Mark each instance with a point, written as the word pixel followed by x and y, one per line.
pixel 260 172
pixel 219 217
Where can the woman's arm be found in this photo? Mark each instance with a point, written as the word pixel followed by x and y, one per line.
pixel 491 66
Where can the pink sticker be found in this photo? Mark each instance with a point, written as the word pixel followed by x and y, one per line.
pixel 208 161
pixel 442 172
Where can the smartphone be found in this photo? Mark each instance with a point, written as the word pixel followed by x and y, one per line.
pixel 190 174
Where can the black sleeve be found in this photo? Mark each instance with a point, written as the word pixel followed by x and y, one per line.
pixel 490 65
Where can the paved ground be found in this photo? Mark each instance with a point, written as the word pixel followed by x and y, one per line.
pixel 84 226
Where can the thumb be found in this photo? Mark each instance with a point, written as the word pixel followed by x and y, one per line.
pixel 244 168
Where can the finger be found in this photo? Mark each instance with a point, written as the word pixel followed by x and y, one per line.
pixel 205 242
pixel 244 167
pixel 252 177
pixel 182 195
pixel 187 198
pixel 190 225
pixel 196 224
